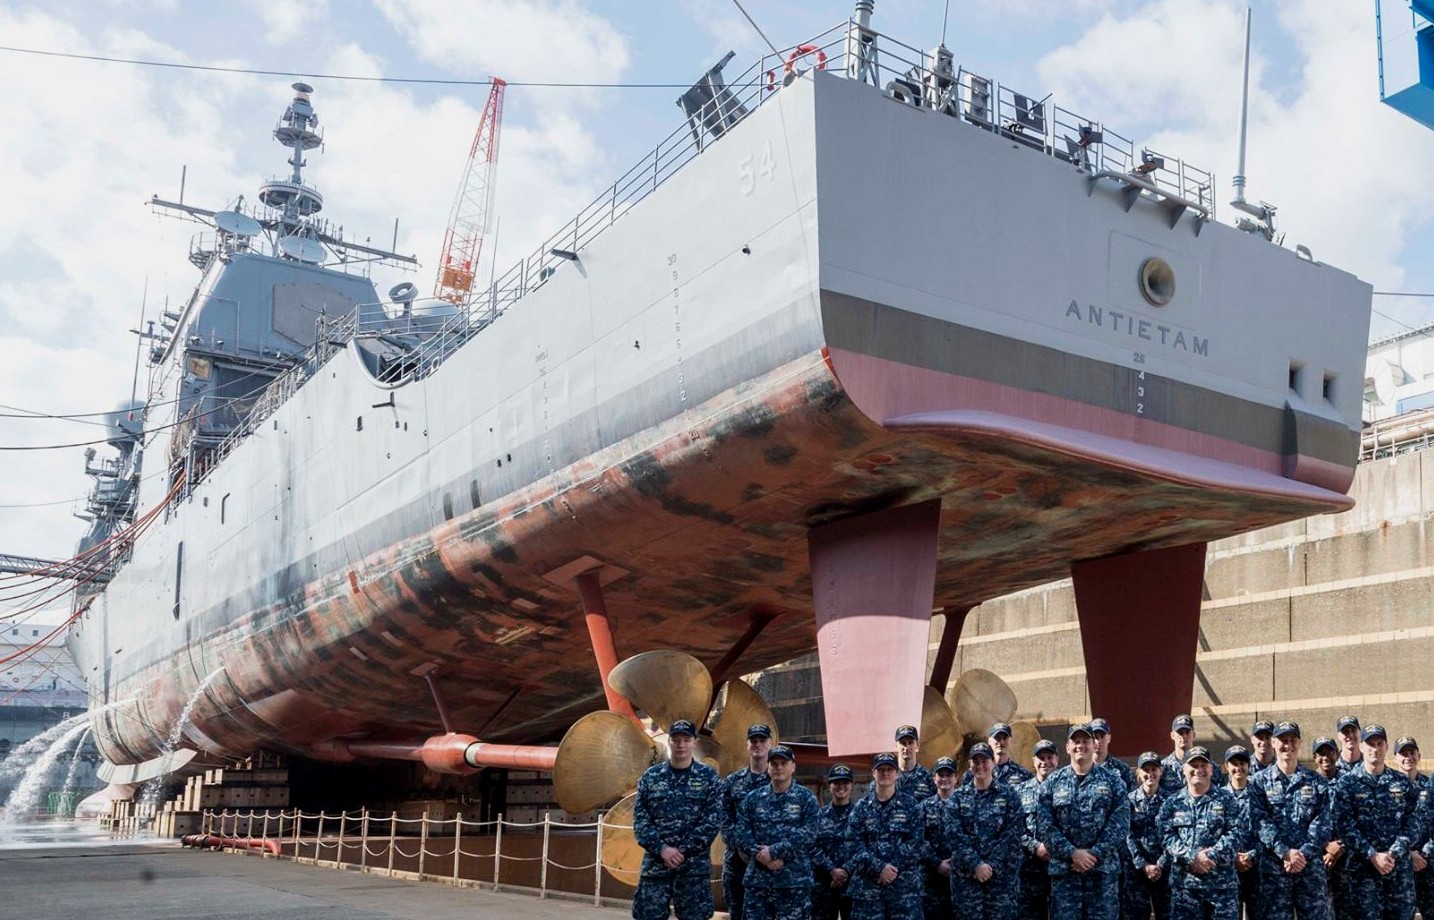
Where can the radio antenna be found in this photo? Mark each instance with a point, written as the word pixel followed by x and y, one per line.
pixel 1264 213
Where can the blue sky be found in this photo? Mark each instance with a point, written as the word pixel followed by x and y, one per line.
pixel 87 143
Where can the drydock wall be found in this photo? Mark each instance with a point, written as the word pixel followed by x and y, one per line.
pixel 1306 621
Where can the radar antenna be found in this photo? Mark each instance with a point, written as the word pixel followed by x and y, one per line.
pixel 473 208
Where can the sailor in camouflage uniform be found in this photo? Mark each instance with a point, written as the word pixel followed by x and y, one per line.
pixel 1034 902
pixel 1100 734
pixel 1421 852
pixel 675 820
pixel 1348 735
pixel 915 780
pixel 1247 853
pixel 830 853
pixel 776 830
pixel 1008 770
pixel 1326 760
pixel 1083 821
pixel 1201 828
pixel 1146 879
pixel 734 789
pixel 1262 746
pixel 1375 807
pixel 1293 828
pixel 984 826
pixel 1182 734
pixel 884 833
pixel 936 860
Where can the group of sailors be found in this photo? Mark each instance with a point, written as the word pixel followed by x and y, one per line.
pixel 1184 836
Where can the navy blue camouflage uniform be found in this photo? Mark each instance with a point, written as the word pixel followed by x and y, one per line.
pixel 1376 814
pixel 1090 813
pixel 1145 847
pixel 1010 773
pixel 1172 777
pixel 735 788
pixel 882 834
pixel 785 823
pixel 1123 769
pixel 1295 813
pixel 830 851
pixel 1189 824
pixel 935 888
pixel 1034 900
pixel 676 808
pixel 1249 846
pixel 984 826
pixel 916 782
pixel 1424 843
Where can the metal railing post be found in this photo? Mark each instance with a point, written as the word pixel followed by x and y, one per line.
pixel 597 862
pixel 343 822
pixel 264 834
pixel 422 843
pixel 498 852
pixel 457 844
pixel 363 837
pixel 297 823
pixel 319 838
pixel 543 875
pixel 392 841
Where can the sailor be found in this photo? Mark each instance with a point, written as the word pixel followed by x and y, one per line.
pixel 734 789
pixel 1100 734
pixel 936 859
pixel 1035 894
pixel 1200 827
pixel 1247 853
pixel 984 829
pixel 1182 734
pixel 885 836
pixel 1262 746
pixel 675 820
pixel 776 830
pixel 1348 731
pixel 915 780
pixel 1083 821
pixel 1147 886
pixel 1421 852
pixel 1294 828
pixel 1326 759
pixel 829 854
pixel 1008 770
pixel 1375 807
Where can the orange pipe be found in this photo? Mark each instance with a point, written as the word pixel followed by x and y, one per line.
pixel 209 841
pixel 600 633
pixel 455 754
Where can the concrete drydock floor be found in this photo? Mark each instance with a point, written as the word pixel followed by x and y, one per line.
pixel 165 882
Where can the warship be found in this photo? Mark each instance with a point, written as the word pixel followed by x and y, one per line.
pixel 869 337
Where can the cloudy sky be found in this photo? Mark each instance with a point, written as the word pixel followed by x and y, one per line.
pixel 85 144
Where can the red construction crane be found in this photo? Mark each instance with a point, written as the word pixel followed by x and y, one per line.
pixel 473 207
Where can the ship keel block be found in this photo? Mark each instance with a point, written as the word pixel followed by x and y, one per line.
pixel 1140 685
pixel 873 580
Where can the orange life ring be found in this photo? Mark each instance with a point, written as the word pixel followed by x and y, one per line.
pixel 802 51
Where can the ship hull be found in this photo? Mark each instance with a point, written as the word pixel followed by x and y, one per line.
pixel 785 335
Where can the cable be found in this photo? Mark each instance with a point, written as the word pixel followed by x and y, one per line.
pixel 754 25
pixel 1401 294
pixel 213 68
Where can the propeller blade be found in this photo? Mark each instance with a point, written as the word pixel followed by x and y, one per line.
pixel 742 707
pixel 711 753
pixel 621 856
pixel 666 685
pixel 940 733
pixel 601 758
pixel 1024 736
pixel 980 699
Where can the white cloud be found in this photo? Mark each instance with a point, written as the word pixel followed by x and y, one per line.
pixel 559 40
pixel 286 20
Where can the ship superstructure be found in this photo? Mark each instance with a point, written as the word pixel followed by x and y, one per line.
pixel 869 336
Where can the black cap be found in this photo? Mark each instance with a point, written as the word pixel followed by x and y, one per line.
pixel 1263 727
pixel 1198 753
pixel 780 752
pixel 1405 742
pixel 1099 725
pixel 839 772
pixel 1346 722
pixel 1182 721
pixel 1149 757
pixel 1078 728
pixel 1044 746
pixel 1322 742
pixel 908 731
pixel 1000 728
pixel 944 763
pixel 759 730
pixel 1237 752
pixel 981 749
pixel 1287 728
pixel 885 759
pixel 1373 731
pixel 683 727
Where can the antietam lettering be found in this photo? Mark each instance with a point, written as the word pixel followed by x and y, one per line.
pixel 1141 328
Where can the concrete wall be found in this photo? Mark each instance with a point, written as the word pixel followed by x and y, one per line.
pixel 1306 621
